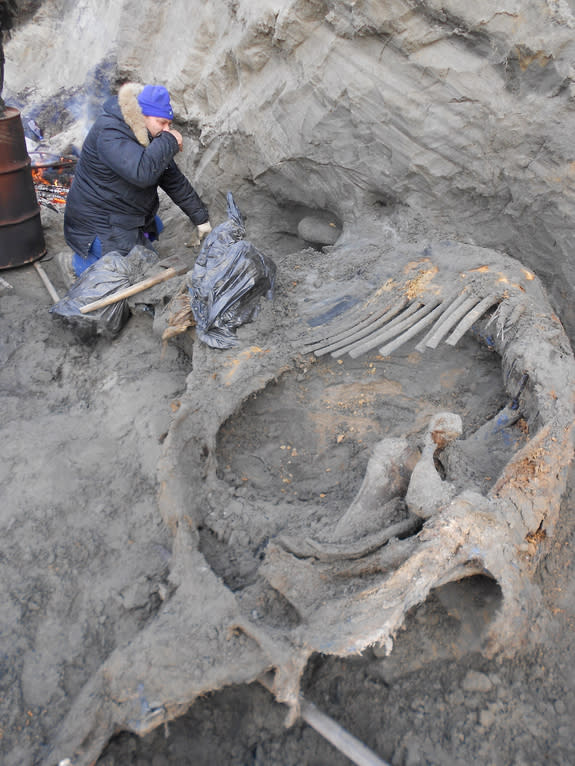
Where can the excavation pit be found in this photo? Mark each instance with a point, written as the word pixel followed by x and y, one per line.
pixel 297 450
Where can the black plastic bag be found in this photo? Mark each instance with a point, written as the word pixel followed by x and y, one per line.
pixel 228 279
pixel 110 274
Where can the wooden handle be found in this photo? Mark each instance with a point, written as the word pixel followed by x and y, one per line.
pixel 163 276
pixel 47 284
pixel 339 737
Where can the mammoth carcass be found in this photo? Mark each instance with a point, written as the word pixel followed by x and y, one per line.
pixel 411 527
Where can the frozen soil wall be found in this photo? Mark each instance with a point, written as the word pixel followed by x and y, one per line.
pixel 396 122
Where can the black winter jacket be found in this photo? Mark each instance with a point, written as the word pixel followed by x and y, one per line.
pixel 114 192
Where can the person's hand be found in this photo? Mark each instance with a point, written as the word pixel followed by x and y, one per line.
pixel 178 136
pixel 199 233
pixel 204 229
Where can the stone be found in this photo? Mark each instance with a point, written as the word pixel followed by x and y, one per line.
pixel 476 682
pixel 318 232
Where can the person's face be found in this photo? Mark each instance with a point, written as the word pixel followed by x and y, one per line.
pixel 156 125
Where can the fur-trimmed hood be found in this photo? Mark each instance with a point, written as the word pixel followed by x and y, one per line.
pixel 131 112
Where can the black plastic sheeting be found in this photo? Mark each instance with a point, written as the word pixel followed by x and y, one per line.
pixel 228 279
pixel 110 274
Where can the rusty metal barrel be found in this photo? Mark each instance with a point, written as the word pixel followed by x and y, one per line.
pixel 21 234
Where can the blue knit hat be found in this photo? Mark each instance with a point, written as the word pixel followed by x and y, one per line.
pixel 154 101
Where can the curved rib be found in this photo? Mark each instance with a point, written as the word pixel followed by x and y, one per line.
pixel 390 331
pixel 449 308
pixel 473 316
pixel 358 330
pixel 411 332
pixel 445 324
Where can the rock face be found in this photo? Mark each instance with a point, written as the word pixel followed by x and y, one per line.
pixel 458 114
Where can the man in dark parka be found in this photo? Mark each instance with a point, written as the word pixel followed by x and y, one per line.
pixel 128 153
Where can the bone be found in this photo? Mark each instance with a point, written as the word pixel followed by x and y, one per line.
pixel 359 330
pixel 386 477
pixel 450 318
pixel 377 513
pixel 476 313
pixel 373 306
pixel 389 348
pixel 348 551
pixel 451 305
pixel 334 327
pixel 406 319
pixel 382 560
pixel 406 309
pixel 427 492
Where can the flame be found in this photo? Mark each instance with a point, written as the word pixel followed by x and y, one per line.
pixel 38 176
pixel 52 182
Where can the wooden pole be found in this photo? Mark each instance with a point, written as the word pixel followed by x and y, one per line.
pixel 139 287
pixel 49 286
pixel 339 737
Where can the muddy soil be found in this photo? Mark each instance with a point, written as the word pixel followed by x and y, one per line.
pixel 85 556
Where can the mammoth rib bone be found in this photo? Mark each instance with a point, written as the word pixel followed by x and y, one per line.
pixel 407 319
pixel 356 330
pixel 411 332
pixel 448 320
pixel 361 330
pixel 373 307
pixel 476 313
